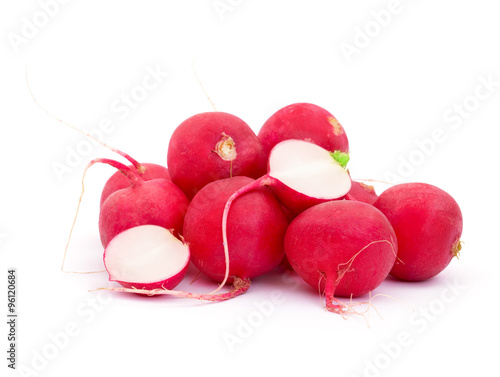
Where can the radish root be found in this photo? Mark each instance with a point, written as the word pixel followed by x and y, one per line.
pixel 240 286
pixel 134 178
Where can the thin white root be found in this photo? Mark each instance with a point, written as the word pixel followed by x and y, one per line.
pixel 201 85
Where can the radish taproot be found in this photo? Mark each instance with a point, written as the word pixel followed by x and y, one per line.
pixel 304 121
pixel 255 230
pixel 154 202
pixel 343 248
pixel 147 257
pixel 211 146
pixel 428 224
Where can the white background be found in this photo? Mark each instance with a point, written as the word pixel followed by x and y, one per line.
pixel 402 84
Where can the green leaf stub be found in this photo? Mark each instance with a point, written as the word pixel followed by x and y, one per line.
pixel 341 157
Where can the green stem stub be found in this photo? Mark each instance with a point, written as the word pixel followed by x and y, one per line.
pixel 341 157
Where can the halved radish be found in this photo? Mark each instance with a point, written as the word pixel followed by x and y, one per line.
pixel 147 257
pixel 304 174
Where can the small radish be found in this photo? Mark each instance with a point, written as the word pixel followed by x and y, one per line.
pixel 343 248
pixel 147 257
pixel 304 121
pixel 211 146
pixel 302 174
pixel 428 224
pixel 154 202
pixel 363 193
pixel 255 230
pixel 146 171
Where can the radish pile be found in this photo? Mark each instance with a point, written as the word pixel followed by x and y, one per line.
pixel 238 204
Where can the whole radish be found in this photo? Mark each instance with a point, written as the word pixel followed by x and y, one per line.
pixel 154 202
pixel 363 193
pixel 211 146
pixel 304 121
pixel 147 257
pixel 428 224
pixel 255 230
pixel 343 248
pixel 146 171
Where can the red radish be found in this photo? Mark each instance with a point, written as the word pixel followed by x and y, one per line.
pixel 255 230
pixel 304 121
pixel 211 146
pixel 146 171
pixel 154 202
pixel 428 224
pixel 147 257
pixel 363 193
pixel 302 174
pixel 343 248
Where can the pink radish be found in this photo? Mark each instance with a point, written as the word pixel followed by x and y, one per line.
pixel 147 257
pixel 428 224
pixel 154 202
pixel 211 146
pixel 343 248
pixel 255 230
pixel 146 171
pixel 363 193
pixel 304 121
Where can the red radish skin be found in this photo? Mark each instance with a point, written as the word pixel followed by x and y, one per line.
pixel 255 230
pixel 147 257
pixel 304 121
pixel 211 146
pixel 147 171
pixel 154 202
pixel 343 248
pixel 428 224
pixel 363 193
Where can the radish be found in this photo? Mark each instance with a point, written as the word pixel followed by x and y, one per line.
pixel 428 224
pixel 211 146
pixel 146 171
pixel 255 230
pixel 343 248
pixel 304 121
pixel 147 257
pixel 363 193
pixel 153 202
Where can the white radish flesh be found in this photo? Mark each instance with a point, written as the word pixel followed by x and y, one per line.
pixel 147 257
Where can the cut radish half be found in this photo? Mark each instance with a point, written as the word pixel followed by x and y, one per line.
pixel 307 174
pixel 147 257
